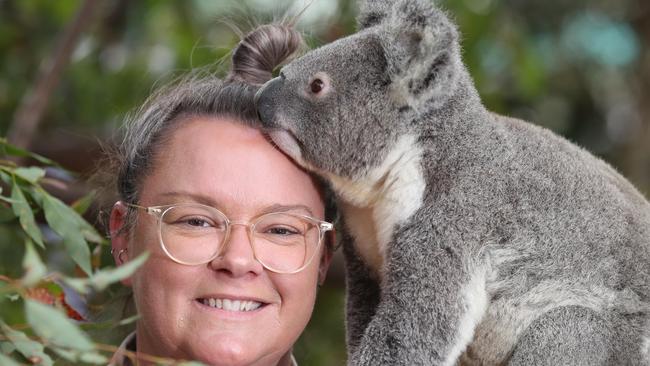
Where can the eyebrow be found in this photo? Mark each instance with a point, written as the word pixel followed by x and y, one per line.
pixel 209 201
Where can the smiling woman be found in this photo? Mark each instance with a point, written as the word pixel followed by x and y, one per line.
pixel 237 234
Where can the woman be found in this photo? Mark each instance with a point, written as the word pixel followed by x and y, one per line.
pixel 234 229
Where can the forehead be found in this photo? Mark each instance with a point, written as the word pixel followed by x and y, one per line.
pixel 232 165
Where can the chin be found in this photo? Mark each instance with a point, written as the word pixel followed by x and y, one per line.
pixel 228 352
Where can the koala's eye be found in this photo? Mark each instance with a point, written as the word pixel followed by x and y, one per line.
pixel 317 85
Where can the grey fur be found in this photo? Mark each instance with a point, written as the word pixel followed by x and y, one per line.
pixel 473 238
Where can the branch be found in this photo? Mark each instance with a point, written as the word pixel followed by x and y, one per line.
pixel 35 101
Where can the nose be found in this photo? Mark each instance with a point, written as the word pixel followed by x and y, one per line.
pixel 237 258
pixel 265 100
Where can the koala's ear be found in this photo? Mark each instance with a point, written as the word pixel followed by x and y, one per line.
pixel 422 51
pixel 373 12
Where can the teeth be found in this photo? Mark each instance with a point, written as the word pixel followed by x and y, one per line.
pixel 232 305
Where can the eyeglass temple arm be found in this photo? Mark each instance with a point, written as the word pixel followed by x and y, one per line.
pixel 150 210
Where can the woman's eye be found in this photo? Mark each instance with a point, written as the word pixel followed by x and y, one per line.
pixel 317 86
pixel 283 231
pixel 197 222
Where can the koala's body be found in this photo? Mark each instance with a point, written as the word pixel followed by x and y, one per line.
pixel 471 238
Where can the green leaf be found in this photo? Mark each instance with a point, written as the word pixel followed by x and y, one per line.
pixel 88 230
pixel 16 151
pixel 70 226
pixel 6 361
pixel 54 327
pixel 24 212
pixel 103 278
pixel 6 213
pixel 27 347
pixel 30 174
pixel 109 324
pixel 82 204
pixel 34 268
pixel 76 356
pixel 93 357
pixel 7 347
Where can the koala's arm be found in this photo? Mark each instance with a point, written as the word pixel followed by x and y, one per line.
pixel 362 295
pixel 433 298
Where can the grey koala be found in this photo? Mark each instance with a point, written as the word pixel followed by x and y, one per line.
pixel 472 238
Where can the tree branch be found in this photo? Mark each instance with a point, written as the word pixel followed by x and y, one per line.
pixel 35 101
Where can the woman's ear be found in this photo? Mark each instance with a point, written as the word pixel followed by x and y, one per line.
pixel 119 236
pixel 326 258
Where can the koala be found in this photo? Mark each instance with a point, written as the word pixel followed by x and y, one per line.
pixel 470 238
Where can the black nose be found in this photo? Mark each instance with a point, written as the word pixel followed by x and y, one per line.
pixel 265 99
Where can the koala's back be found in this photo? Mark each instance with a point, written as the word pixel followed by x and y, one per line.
pixel 557 228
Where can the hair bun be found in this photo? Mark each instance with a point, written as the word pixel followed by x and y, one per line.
pixel 263 50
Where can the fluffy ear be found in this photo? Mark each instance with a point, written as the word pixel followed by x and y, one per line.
pixel 373 12
pixel 422 51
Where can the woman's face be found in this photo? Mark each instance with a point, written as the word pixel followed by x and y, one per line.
pixel 235 169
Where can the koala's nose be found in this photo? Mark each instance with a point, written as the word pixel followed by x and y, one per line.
pixel 264 100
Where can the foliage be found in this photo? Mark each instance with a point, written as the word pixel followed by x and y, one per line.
pixel 38 324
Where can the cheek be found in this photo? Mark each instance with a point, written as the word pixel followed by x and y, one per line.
pixel 298 292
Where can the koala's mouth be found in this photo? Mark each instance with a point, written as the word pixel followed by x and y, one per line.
pixel 288 143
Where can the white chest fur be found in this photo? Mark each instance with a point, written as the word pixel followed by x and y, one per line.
pixel 381 198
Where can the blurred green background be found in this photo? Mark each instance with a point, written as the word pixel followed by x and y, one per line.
pixel 580 68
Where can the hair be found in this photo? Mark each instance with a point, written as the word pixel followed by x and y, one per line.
pixel 254 59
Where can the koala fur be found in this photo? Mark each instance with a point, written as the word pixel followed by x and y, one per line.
pixel 470 238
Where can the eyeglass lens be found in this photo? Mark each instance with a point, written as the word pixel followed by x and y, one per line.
pixel 282 242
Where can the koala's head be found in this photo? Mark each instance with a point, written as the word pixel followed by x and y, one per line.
pixel 341 108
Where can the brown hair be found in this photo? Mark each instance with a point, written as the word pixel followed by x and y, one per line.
pixel 259 53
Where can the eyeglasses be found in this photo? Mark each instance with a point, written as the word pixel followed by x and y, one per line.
pixel 194 234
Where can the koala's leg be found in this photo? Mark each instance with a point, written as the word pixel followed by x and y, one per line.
pixel 575 335
pixel 362 295
pixel 432 298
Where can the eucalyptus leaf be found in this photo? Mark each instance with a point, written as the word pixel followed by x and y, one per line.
pixel 88 230
pixel 30 174
pixel 82 204
pixel 16 151
pixel 78 284
pixel 29 348
pixel 6 361
pixel 35 270
pixel 68 354
pixel 7 347
pixel 77 356
pixel 102 279
pixel 6 213
pixel 67 223
pixel 25 214
pixel 54 327
pixel 5 176
pixel 129 320
pixel 5 199
pixel 93 357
